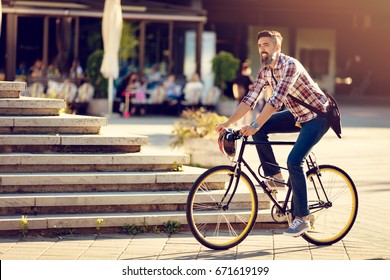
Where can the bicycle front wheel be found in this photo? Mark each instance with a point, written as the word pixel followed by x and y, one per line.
pixel 219 215
pixel 333 205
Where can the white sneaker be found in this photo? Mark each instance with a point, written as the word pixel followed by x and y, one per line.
pixel 297 228
pixel 275 184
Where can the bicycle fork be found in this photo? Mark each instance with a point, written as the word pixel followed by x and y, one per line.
pixel 234 178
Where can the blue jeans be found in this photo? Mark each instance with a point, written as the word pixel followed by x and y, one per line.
pixel 310 134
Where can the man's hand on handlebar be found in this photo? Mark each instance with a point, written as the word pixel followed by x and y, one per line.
pixel 248 130
pixel 221 127
pixel 244 131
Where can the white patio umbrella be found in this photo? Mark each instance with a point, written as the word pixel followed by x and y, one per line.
pixel 111 31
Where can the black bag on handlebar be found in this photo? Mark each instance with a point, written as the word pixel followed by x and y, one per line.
pixel 333 113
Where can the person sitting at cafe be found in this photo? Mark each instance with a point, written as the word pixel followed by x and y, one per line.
pixel 36 69
pixel 134 94
pixel 174 95
pixel 173 90
pixel 192 88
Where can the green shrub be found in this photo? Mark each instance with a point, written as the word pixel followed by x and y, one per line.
pixel 131 229
pixel 196 123
pixel 171 227
pixel 224 66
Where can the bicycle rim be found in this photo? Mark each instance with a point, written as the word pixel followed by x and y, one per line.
pixel 212 225
pixel 330 222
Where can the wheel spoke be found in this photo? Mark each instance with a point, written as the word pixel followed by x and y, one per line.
pixel 226 226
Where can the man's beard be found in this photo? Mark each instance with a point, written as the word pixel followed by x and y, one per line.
pixel 267 59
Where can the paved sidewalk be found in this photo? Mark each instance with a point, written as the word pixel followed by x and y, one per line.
pixel 364 152
pixel 260 245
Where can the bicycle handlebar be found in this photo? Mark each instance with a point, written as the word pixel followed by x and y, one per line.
pixel 236 135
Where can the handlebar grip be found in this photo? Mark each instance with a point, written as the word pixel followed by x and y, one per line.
pixel 238 135
pixel 234 134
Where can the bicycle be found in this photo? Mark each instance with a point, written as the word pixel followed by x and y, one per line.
pixel 222 205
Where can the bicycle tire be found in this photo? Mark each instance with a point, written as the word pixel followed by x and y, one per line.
pixel 213 226
pixel 332 223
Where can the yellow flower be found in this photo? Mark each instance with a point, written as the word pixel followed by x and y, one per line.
pixel 99 222
pixel 24 220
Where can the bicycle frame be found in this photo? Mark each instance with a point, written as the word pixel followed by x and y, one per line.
pixel 240 160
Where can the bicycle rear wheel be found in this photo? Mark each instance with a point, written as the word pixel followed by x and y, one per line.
pixel 333 205
pixel 214 221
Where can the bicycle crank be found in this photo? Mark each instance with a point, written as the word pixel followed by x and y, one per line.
pixel 277 215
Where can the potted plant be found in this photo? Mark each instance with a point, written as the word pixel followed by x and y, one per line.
pixel 225 67
pixel 194 132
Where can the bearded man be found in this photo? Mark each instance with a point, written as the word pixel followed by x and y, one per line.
pixel 287 77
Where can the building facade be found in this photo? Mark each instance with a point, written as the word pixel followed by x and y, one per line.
pixel 342 43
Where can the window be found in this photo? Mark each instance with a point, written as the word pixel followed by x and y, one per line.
pixel 315 61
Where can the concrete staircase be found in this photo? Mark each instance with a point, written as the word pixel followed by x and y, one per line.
pixel 61 172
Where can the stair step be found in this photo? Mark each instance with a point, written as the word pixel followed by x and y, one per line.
pixel 99 181
pixel 144 160
pixel 96 178
pixel 11 89
pixel 63 123
pixel 68 143
pixel 106 202
pixel 31 106
pixel 83 221
pixel 12 86
pixel 102 198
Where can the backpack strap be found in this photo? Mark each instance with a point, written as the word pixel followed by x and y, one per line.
pixel 304 104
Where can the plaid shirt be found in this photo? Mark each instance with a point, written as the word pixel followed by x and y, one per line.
pixel 292 79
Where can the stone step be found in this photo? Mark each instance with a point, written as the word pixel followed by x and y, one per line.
pixel 106 202
pixel 63 123
pixel 99 181
pixel 31 106
pixel 80 222
pixel 145 160
pixel 11 89
pixel 72 143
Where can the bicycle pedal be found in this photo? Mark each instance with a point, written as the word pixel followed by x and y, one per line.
pixel 273 192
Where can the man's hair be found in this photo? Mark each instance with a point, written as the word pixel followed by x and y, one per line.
pixel 275 35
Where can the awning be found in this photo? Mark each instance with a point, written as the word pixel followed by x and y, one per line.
pixel 141 11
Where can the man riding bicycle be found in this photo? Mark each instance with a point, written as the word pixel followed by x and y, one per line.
pixel 287 77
